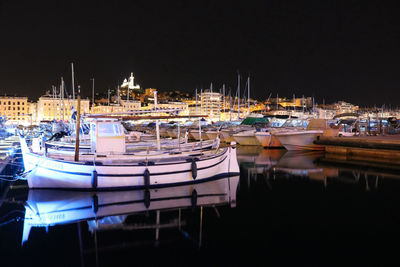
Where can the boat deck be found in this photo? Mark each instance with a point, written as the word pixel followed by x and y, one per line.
pixel 135 158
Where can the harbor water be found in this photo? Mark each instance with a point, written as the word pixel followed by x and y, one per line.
pixel 286 208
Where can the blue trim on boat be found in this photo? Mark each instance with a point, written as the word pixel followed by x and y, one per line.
pixel 129 175
pixel 196 181
pixel 127 202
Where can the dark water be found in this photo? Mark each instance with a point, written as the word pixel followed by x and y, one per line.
pixel 285 209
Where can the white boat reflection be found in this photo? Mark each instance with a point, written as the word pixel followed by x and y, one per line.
pixel 46 208
pixel 301 163
pixel 257 159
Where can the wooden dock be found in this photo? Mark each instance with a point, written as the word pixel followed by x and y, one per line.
pixel 378 147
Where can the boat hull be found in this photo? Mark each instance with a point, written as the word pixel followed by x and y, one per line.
pixel 226 136
pixel 44 172
pixel 268 140
pixel 246 138
pixel 303 140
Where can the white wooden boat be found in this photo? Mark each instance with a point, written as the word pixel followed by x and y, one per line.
pixel 246 138
pixel 299 140
pixel 268 140
pixel 195 135
pixel 111 167
pixel 46 208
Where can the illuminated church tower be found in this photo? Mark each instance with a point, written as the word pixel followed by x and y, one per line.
pixel 129 85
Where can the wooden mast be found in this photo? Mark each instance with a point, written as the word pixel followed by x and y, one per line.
pixel 78 126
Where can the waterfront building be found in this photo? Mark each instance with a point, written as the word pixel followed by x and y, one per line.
pixel 15 109
pixel 344 107
pixel 32 109
pixel 131 105
pixel 211 104
pixel 324 113
pixel 107 109
pixel 181 108
pixel 49 108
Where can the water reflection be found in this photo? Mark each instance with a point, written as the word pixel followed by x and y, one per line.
pixel 111 210
pixel 286 203
pixel 258 160
pixel 317 166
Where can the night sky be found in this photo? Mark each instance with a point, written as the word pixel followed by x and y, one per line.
pixel 332 50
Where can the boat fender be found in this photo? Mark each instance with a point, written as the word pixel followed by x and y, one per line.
pixel 233 145
pixel 193 198
pixel 146 198
pixel 194 169
pixel 95 203
pixel 94 179
pixel 146 178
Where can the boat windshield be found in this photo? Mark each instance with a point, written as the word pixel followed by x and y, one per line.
pixel 295 123
pixel 109 129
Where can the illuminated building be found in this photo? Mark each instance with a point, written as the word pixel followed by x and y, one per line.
pixel 129 85
pixel 211 104
pixel 15 109
pixel 49 108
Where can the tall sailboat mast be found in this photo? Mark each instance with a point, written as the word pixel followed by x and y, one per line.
pixel 223 91
pixel 92 91
pixel 62 96
pixel 60 105
pixel 230 104
pixel 238 101
pixel 54 101
pixel 157 122
pixel 211 103
pixel 73 83
pixel 248 94
pixel 196 101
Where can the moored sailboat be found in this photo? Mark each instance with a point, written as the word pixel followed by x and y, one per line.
pixel 110 166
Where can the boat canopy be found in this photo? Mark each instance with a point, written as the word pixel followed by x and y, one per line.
pixel 254 120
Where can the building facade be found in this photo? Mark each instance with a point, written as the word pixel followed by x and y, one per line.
pixel 15 109
pixel 211 105
pixel 181 108
pixel 49 108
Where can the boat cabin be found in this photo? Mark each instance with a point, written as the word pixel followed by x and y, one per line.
pixel 107 136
